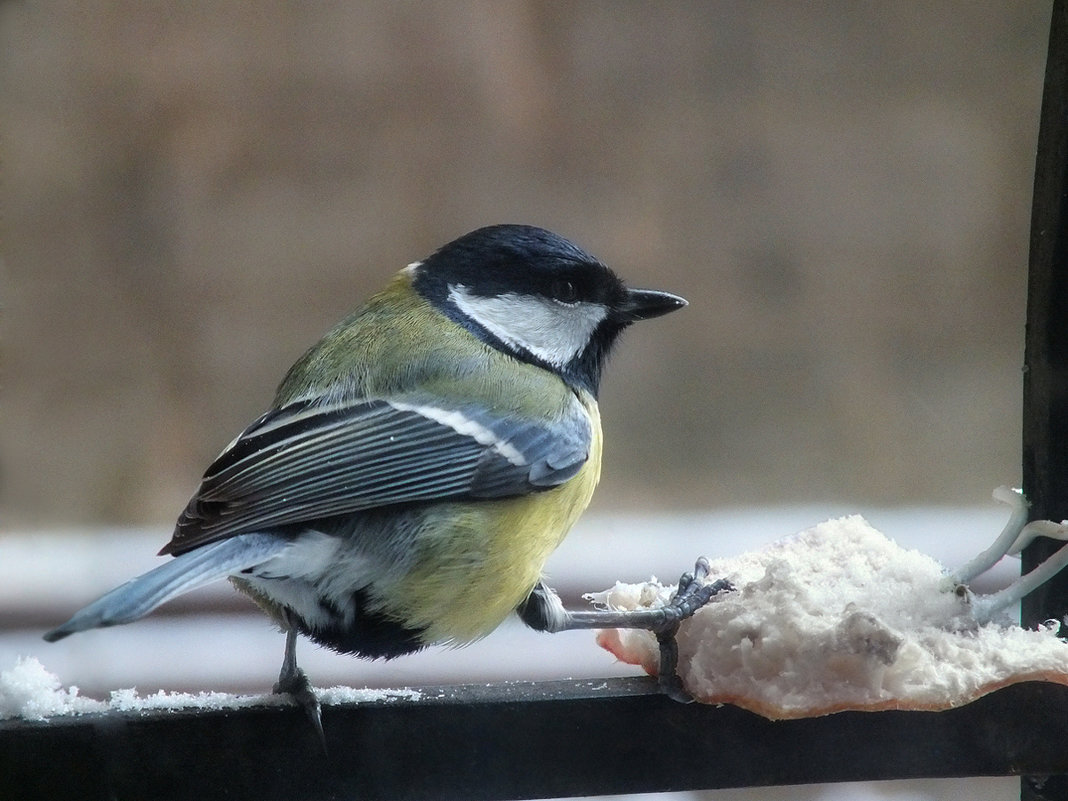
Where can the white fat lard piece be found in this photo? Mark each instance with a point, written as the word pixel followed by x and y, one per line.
pixel 840 617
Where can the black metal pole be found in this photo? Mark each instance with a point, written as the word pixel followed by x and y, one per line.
pixel 1045 424
pixel 517 741
pixel 1045 403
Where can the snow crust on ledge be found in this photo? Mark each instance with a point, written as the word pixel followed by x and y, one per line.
pixel 29 691
pixel 838 618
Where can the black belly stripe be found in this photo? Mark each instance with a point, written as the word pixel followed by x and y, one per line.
pixel 371 635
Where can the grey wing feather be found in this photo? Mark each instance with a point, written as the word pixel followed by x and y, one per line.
pixel 307 462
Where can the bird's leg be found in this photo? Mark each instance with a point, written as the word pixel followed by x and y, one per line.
pixel 293 682
pixel 543 610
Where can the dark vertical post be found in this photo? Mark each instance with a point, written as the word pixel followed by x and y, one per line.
pixel 1045 405
pixel 1045 424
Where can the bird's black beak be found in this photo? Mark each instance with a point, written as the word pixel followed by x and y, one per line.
pixel 644 304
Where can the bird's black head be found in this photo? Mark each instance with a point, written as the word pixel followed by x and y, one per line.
pixel 537 297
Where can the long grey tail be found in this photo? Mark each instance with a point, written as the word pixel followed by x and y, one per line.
pixel 139 596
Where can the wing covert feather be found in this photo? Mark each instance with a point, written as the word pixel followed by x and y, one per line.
pixel 307 461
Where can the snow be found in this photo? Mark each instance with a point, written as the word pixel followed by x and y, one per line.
pixel 839 617
pixel 352 695
pixel 30 692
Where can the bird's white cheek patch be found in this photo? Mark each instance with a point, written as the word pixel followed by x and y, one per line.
pixel 554 332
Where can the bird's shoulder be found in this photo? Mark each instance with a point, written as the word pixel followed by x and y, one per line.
pixel 398 345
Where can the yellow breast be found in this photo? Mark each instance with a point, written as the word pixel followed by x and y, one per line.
pixel 472 574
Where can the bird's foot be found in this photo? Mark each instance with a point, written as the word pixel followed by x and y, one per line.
pixel 692 594
pixel 543 610
pixel 295 684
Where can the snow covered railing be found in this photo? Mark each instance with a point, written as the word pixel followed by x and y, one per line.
pixel 519 740
pixel 785 644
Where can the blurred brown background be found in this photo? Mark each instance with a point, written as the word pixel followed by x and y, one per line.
pixel 193 193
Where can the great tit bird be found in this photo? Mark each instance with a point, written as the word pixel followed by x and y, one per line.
pixel 419 463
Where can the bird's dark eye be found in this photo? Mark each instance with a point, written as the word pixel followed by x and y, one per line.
pixel 564 291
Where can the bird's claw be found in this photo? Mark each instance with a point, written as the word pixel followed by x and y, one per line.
pixel 295 684
pixel 668 674
pixel 692 594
